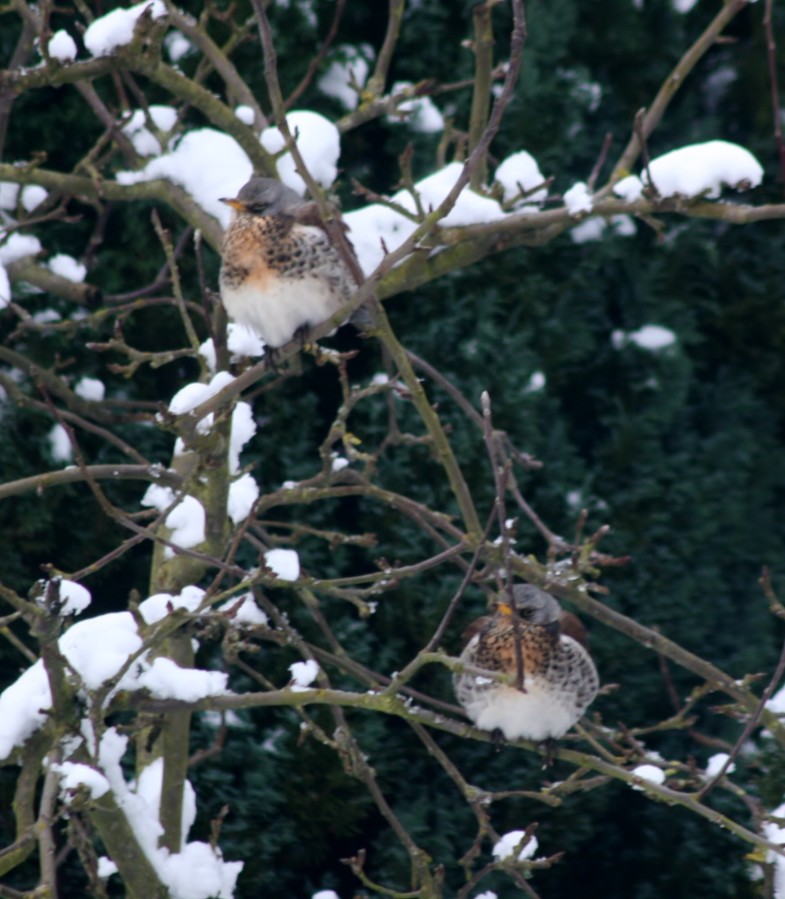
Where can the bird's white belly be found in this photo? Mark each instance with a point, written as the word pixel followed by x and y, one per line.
pixel 538 714
pixel 280 309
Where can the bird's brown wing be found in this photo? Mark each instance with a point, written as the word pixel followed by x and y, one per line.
pixel 572 626
pixel 474 627
pixel 308 214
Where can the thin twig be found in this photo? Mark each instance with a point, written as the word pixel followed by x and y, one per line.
pixel 318 57
pixel 776 114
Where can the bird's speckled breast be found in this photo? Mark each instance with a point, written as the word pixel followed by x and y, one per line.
pixel 278 277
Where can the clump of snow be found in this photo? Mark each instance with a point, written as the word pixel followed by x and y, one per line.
pixel 159 605
pixel 318 141
pixel 206 163
pixel 96 650
pixel 339 463
pixel 186 520
pixel 623 225
pixel 197 871
pixel 488 894
pixel 776 834
pixel 106 867
pixel 325 894
pixel 629 188
pixel 137 131
pixel 5 288
pixel 651 773
pixel 469 209
pixel 683 6
pixel 65 266
pixel 578 199
pixel 240 341
pixel 285 563
pixel 33 195
pixel 157 497
pixel 46 316
pixel 652 337
pixel 349 67
pixel 186 523
pixel 116 28
pixel 207 352
pixel 535 383
pixel 9 194
pixel 594 228
pixel 716 764
pixel 90 389
pixel 777 702
pixel 62 46
pixel 247 613
pixel 588 230
pixel 376 225
pixel 167 680
pixel 19 246
pixel 243 429
pixel 420 113
pixel 303 674
pixel 23 708
pixel 193 395
pixel 506 846
pixel 243 425
pixel 177 45
pixel 74 597
pixel 372 228
pixel 243 493
pixel 520 173
pixel 74 775
pixel 703 170
pixel 59 444
pixel 245 114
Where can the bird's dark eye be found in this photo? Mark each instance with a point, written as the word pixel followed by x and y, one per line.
pixel 257 208
pixel 526 612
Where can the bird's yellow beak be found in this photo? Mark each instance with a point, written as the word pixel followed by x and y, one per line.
pixel 235 204
pixel 504 608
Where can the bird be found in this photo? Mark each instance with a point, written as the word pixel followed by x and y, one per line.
pixel 552 679
pixel 280 272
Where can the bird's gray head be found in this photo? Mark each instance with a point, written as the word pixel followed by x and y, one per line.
pixel 534 605
pixel 265 196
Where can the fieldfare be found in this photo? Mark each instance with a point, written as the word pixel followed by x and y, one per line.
pixel 280 273
pixel 551 679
